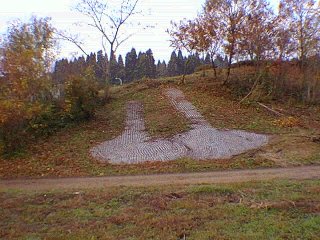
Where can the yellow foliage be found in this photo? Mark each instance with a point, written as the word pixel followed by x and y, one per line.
pixel 287 122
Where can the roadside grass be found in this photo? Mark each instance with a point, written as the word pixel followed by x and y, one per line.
pixel 265 210
pixel 66 153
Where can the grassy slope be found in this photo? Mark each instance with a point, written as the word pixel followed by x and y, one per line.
pixel 292 140
pixel 67 152
pixel 268 210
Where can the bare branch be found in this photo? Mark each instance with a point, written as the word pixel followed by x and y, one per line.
pixel 73 39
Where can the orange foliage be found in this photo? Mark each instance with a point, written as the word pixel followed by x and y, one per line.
pixel 289 122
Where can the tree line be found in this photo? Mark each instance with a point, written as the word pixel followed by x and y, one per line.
pixel 133 67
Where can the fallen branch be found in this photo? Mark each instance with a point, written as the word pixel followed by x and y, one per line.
pixel 271 110
pixel 255 84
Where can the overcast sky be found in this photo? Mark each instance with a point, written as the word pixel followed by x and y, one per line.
pixel 158 13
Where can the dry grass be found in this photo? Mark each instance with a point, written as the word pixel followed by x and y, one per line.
pixel 67 152
pixel 268 210
pixel 293 135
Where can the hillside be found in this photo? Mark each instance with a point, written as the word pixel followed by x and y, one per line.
pixel 294 136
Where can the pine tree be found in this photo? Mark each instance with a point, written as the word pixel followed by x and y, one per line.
pixel 60 71
pixel 150 65
pixel 161 69
pixel 102 66
pixel 113 68
pixel 130 66
pixel 120 68
pixel 180 63
pixel 91 60
pixel 173 65
pixel 193 62
pixel 141 67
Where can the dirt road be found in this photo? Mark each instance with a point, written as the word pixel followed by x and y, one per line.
pixel 300 173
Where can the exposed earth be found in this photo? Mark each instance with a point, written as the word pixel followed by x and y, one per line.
pixel 217 177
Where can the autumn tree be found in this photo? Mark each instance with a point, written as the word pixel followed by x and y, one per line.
pixel 282 41
pixel 302 19
pixel 27 58
pixel 229 17
pixel 219 26
pixel 257 32
pixel 27 55
pixel 182 38
pixel 208 38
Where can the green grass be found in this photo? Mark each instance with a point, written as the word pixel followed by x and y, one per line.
pixel 266 210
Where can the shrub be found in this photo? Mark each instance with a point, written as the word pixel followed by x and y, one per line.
pixel 81 95
pixel 22 121
pixel 14 119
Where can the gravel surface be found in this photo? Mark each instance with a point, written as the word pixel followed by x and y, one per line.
pixel 202 142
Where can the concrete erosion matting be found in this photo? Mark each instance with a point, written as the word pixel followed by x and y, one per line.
pixel 202 142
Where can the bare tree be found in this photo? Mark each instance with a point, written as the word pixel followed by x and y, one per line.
pixel 108 17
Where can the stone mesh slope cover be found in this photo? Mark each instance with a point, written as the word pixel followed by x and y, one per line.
pixel 202 142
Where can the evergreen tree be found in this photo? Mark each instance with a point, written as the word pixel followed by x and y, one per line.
pixel 113 68
pixel 180 63
pixel 130 65
pixel 120 68
pixel 150 65
pixel 60 71
pixel 91 60
pixel 173 65
pixel 193 62
pixel 161 69
pixel 102 66
pixel 80 64
pixel 141 68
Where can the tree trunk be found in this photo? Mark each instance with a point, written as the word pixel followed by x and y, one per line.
pixel 229 69
pixel 109 70
pixel 185 71
pixel 214 68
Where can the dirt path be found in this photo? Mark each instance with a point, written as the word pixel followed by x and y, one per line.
pixel 300 173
